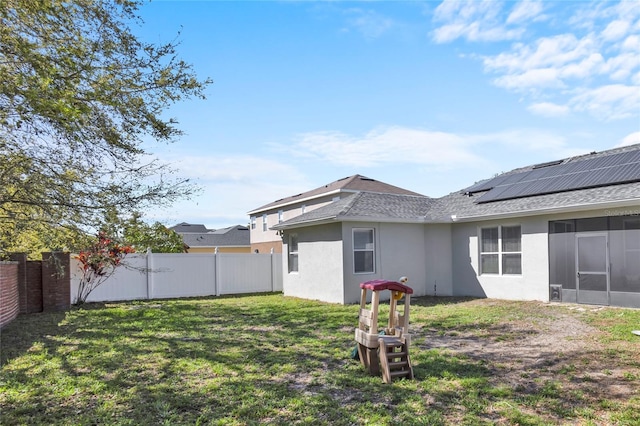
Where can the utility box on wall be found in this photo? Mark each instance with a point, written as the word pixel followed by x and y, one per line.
pixel 555 293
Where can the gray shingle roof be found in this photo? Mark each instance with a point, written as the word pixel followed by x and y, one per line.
pixel 363 206
pixel 353 183
pixel 232 236
pixel 417 208
pixel 189 227
pixel 463 206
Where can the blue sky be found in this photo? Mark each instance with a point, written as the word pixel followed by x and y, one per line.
pixel 430 96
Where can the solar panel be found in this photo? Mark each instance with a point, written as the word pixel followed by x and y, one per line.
pixel 555 177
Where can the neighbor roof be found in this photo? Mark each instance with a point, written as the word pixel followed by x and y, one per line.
pixel 355 183
pixel 184 227
pixel 234 236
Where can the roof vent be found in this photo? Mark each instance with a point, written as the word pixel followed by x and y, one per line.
pixel 367 179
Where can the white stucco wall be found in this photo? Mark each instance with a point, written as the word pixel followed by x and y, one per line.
pixel 438 260
pixel 319 275
pixel 533 284
pixel 400 251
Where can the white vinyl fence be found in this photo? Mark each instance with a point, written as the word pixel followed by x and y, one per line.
pixel 169 275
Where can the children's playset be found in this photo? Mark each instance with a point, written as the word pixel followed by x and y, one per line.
pixel 385 351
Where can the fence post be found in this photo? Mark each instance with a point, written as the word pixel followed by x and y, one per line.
pixel 149 272
pixel 216 275
pixel 273 278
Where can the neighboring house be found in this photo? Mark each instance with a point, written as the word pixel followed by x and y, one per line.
pixel 264 239
pixel 567 230
pixel 199 239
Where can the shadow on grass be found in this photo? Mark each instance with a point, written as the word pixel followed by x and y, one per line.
pixel 256 360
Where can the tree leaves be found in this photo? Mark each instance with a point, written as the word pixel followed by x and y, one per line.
pixel 78 92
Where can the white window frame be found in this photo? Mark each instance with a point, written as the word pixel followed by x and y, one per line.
pixel 291 253
pixel 280 215
pixel 360 250
pixel 253 222
pixel 631 249
pixel 303 209
pixel 264 223
pixel 500 253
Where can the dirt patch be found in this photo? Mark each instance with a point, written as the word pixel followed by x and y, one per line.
pixel 557 349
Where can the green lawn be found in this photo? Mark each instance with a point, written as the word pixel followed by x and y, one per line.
pixel 270 359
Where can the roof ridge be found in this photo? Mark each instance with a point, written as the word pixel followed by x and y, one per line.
pixel 348 206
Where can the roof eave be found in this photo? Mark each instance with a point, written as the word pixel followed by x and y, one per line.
pixel 549 210
pixel 336 219
pixel 301 224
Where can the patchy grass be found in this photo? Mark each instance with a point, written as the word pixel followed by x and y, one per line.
pixel 278 360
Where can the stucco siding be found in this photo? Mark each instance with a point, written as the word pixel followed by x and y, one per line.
pixel 532 284
pixel 399 251
pixel 319 275
pixel 438 260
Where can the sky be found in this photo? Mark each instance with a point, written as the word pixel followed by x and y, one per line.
pixel 430 96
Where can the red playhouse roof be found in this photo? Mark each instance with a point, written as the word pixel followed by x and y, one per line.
pixel 379 285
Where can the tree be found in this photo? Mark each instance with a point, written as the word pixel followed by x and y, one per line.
pixel 141 236
pixel 78 93
pixel 98 262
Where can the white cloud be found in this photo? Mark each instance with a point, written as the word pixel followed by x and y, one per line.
pixel 472 19
pixel 536 78
pixel 530 140
pixel 590 66
pixel 616 30
pixel 556 51
pixel 630 139
pixel 369 23
pixel 392 145
pixel 632 43
pixel 548 109
pixel 231 186
pixel 525 10
pixel 611 102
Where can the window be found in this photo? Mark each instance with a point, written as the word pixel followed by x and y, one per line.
pixel 280 215
pixel 303 208
pixel 363 251
pixel 489 254
pixel 511 250
pixel 253 222
pixel 292 250
pixel 500 250
pixel 264 222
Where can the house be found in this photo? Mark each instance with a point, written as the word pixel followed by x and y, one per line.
pixel 199 239
pixel 567 230
pixel 264 239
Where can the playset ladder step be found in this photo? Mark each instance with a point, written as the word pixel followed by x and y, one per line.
pixel 397 365
pixel 400 373
pixel 394 363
